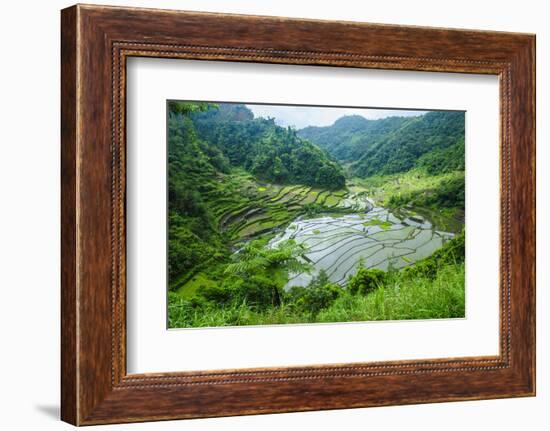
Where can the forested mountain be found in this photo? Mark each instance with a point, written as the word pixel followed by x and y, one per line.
pixel 266 150
pixel 350 136
pixel 433 141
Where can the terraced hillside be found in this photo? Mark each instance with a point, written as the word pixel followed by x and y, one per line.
pixel 259 208
pixel 348 232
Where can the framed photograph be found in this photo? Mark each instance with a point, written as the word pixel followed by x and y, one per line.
pixel 264 214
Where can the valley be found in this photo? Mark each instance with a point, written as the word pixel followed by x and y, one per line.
pixel 271 229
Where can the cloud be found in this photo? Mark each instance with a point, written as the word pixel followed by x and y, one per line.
pixel 303 116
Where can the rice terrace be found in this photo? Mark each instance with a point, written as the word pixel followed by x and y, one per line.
pixel 298 214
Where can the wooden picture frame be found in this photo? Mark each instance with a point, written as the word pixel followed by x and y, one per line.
pixel 95 43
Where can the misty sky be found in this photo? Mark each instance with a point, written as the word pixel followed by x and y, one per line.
pixel 303 116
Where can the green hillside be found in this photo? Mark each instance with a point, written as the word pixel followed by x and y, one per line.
pixel 266 150
pixel 350 136
pixel 433 141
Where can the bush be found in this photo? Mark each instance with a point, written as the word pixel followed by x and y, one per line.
pixel 452 253
pixel 319 294
pixel 260 292
pixel 218 294
pixel 365 281
pixel 257 292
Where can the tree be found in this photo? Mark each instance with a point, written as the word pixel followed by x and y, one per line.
pixel 186 108
pixel 317 295
pixel 365 280
pixel 256 257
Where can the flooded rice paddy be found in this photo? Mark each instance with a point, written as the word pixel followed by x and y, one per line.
pixel 374 238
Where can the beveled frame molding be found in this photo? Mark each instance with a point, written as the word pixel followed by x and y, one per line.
pixel 96 41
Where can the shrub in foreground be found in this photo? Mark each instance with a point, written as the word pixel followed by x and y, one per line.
pixel 365 281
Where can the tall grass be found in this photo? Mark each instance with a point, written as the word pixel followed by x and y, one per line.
pixel 402 297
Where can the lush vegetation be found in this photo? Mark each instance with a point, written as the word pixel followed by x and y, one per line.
pixel 235 181
pixel 208 189
pixel 350 136
pixel 416 186
pixel 267 151
pixel 432 288
pixel 404 162
pixel 433 141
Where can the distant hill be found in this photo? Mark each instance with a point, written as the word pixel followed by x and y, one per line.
pixel 350 136
pixel 433 141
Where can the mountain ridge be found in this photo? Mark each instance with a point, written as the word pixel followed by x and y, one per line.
pixel 433 141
